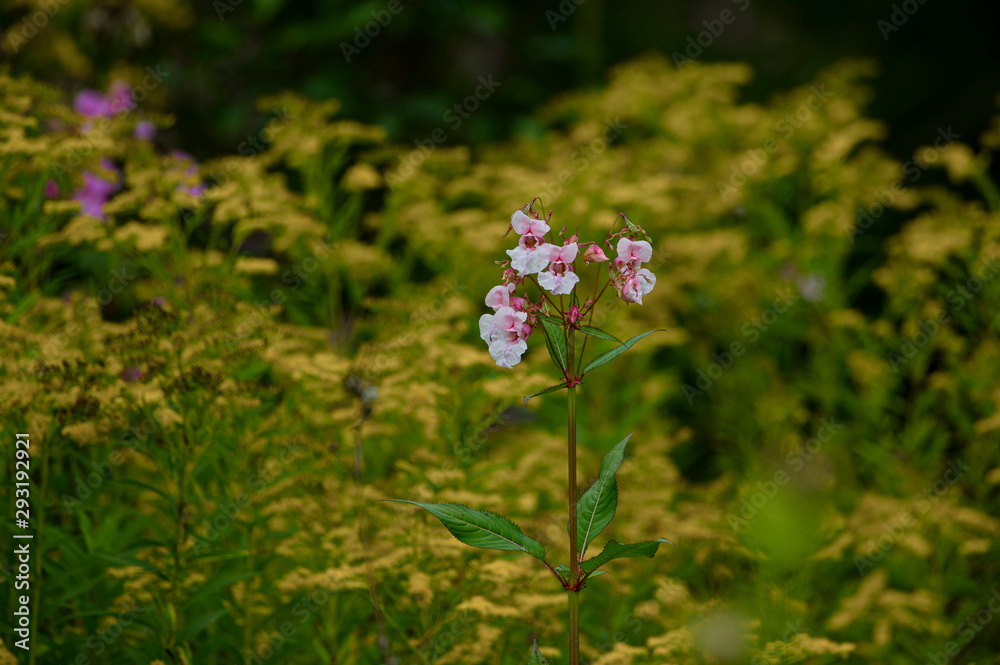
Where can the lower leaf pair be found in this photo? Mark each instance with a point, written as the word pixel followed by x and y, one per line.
pixel 595 510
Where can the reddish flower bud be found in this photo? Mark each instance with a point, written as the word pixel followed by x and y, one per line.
pixel 594 254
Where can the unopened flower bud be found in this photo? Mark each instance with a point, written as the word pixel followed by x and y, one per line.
pixel 594 253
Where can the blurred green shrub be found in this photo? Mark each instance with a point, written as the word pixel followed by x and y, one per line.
pixel 818 432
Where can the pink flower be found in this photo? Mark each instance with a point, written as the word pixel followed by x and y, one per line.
pixel 505 333
pixel 51 189
pixel 636 284
pixel 499 296
pixel 560 278
pixel 632 253
pixel 594 254
pixel 531 254
pixel 120 97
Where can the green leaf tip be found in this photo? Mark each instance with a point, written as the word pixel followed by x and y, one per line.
pixel 596 508
pixel 542 392
pixel 536 657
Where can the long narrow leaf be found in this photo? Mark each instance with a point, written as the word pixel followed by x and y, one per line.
pixel 608 356
pixel 480 528
pixel 596 508
pixel 597 332
pixel 542 392
pixel 616 550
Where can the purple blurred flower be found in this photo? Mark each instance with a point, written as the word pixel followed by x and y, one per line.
pixel 159 301
pixel 131 374
pixel 96 191
pixel 192 169
pixel 145 130
pixel 93 104
pixel 51 189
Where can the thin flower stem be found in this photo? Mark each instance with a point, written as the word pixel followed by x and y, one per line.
pixel 574 565
pixel 542 291
pixel 593 302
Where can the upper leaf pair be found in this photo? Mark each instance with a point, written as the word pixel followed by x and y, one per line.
pixel 595 510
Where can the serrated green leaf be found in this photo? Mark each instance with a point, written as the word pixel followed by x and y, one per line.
pixel 480 528
pixel 555 341
pixel 542 392
pixel 536 657
pixel 616 550
pixel 597 332
pixel 608 356
pixel 596 508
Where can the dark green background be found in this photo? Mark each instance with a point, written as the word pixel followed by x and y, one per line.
pixel 938 69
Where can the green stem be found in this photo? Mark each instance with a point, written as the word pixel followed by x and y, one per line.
pixel 574 564
pixel 574 627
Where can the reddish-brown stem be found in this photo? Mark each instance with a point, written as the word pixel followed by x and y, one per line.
pixel 549 300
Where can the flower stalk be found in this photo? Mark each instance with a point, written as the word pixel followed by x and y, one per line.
pixel 551 264
pixel 574 558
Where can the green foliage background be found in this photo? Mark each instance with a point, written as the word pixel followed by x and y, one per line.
pixel 200 378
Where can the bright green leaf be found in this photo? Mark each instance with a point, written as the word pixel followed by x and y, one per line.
pixel 597 332
pixel 480 528
pixel 596 508
pixel 615 550
pixel 608 356
pixel 555 341
pixel 542 392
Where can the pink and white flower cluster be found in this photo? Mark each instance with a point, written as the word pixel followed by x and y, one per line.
pixel 551 267
pixel 507 330
pixel 631 280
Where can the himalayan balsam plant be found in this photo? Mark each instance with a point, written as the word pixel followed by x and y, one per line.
pixel 559 314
